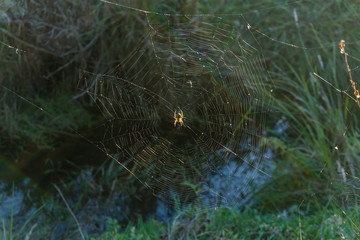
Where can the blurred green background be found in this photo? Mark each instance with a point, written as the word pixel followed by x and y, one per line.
pixel 46 49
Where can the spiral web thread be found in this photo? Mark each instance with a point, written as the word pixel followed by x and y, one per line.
pixel 210 68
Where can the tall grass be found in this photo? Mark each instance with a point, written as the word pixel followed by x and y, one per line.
pixel 317 165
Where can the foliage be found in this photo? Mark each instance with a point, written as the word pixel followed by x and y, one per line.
pixel 143 231
pixel 230 223
pixel 316 162
pixel 317 158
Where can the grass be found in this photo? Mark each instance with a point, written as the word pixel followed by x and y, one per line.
pixel 10 228
pixel 323 121
pixel 80 205
pixel 230 223
pixel 313 192
pixel 8 231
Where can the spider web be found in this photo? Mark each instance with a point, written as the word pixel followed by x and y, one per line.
pixel 212 70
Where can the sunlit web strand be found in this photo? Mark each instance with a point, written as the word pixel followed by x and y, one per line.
pixel 201 15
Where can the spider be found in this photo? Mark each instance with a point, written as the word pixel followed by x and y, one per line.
pixel 178 116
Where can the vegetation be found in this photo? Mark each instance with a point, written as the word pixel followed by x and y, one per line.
pixel 45 50
pixel 224 223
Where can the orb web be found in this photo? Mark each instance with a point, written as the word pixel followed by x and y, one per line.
pixel 209 68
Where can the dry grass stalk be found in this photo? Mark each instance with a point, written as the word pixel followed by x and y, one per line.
pixel 353 84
